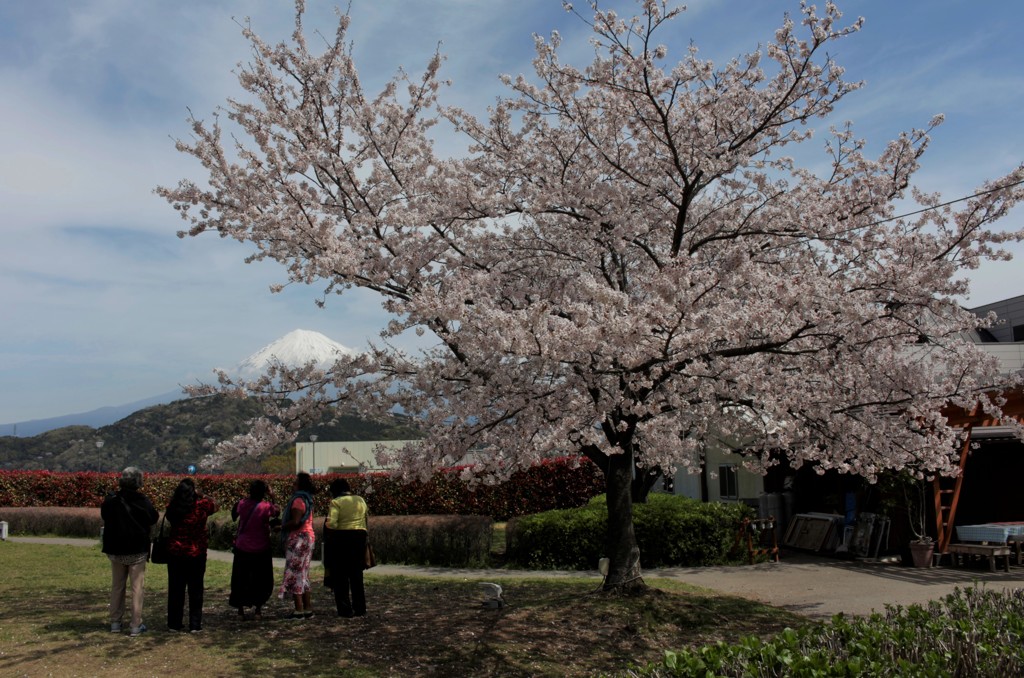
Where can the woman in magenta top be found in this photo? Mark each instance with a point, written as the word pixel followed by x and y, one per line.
pixel 186 549
pixel 297 535
pixel 252 569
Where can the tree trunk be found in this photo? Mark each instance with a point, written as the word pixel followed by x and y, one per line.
pixel 644 481
pixel 623 553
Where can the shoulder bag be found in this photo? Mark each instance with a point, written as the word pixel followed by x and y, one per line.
pixel 159 552
pixel 370 559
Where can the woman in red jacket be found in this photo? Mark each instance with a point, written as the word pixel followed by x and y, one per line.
pixel 186 548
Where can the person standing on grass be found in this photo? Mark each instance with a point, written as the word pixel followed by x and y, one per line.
pixel 298 538
pixel 128 518
pixel 186 555
pixel 252 567
pixel 345 549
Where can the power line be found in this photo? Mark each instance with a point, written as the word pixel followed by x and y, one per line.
pixel 947 204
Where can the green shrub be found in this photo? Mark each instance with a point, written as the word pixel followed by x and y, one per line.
pixel 441 540
pixel 675 531
pixel 562 539
pixel 970 632
pixel 61 521
pixel 222 530
pixel 670 531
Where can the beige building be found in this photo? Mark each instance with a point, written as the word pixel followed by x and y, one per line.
pixel 342 457
pixel 725 479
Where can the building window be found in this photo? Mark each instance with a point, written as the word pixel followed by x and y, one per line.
pixel 1018 332
pixel 728 482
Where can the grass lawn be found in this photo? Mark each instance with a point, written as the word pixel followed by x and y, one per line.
pixel 53 621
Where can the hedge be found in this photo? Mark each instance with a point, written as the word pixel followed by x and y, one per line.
pixel 559 483
pixel 62 521
pixel 670 531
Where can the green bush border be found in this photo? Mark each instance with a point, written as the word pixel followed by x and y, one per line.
pixel 670 530
pixel 970 632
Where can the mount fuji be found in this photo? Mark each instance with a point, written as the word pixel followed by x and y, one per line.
pixel 294 349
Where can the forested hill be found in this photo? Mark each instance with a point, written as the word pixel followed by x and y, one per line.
pixel 170 437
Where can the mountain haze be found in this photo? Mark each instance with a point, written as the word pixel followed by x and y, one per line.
pixel 169 437
pixel 101 416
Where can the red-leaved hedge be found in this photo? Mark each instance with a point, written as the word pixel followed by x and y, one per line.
pixel 559 483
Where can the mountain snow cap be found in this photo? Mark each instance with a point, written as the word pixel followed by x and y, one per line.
pixel 294 349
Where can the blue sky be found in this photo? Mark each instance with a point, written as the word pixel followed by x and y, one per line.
pixel 100 302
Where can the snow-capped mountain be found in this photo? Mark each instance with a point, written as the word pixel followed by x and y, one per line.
pixel 294 349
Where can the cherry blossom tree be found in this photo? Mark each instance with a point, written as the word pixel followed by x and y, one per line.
pixel 623 264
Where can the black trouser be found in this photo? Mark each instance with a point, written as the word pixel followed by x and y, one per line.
pixel 346 555
pixel 184 572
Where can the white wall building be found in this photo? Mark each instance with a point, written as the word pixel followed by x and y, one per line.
pixel 724 477
pixel 342 457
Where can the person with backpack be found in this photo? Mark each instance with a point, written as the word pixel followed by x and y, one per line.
pixel 128 519
pixel 298 537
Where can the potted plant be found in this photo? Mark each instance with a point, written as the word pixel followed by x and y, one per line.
pixel 908 493
pixel 915 493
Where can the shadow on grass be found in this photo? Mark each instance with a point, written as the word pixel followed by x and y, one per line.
pixel 414 627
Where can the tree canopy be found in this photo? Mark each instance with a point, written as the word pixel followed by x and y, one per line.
pixel 624 263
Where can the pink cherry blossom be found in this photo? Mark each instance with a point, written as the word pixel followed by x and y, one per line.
pixel 624 263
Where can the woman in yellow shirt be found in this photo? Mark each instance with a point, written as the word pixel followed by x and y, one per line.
pixel 345 549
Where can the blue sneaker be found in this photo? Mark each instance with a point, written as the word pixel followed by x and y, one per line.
pixel 138 630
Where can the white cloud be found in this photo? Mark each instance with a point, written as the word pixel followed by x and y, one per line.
pixel 102 304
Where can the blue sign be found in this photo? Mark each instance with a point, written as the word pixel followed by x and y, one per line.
pixel 191 468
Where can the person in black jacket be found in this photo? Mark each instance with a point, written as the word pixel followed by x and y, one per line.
pixel 128 518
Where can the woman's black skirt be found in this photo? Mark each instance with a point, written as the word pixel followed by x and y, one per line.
pixel 252 579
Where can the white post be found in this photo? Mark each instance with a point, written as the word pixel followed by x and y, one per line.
pixel 3 530
pixel 312 439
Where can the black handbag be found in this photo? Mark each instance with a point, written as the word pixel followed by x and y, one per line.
pixel 158 555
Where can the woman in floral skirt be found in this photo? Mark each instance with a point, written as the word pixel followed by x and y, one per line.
pixel 298 538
